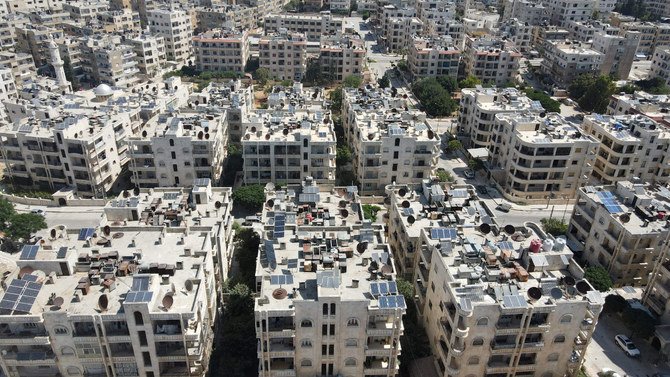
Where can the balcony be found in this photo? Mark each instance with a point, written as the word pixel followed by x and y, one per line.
pixel 380 329
pixel 378 349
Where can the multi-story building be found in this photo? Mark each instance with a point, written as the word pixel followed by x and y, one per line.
pixel 618 53
pixel 289 142
pixel 238 16
pixel 22 66
pixel 284 54
pixel 490 59
pixel 88 310
pixel 8 25
pixel 492 301
pixel 389 144
pixel 621 229
pixel 431 57
pixel 630 146
pixel 325 306
pixel 27 6
pixel 533 157
pixel 659 7
pixel 149 52
pixel 650 105
pixel 119 21
pixel 234 97
pixel 562 11
pixel 31 39
pixel 221 50
pixel 398 26
pixel 480 22
pixel 652 35
pixel 342 55
pixel 660 64
pixel 565 60
pixel 340 5
pixel 105 59
pixel 519 33
pixel 85 10
pixel 532 12
pixel 541 34
pixel 312 25
pixel 178 150
pixel 175 26
pixel 7 84
pixel 478 109
pixel 585 31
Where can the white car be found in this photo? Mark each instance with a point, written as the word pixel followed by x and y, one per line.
pixel 627 345
pixel 38 211
pixel 607 372
pixel 469 174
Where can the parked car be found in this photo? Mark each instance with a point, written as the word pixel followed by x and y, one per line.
pixel 627 345
pixel 38 211
pixel 469 174
pixel 607 372
pixel 482 189
pixel 503 207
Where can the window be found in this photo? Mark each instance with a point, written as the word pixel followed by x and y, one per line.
pixel 139 320
pixel 60 330
pixel 324 329
pixel 397 142
pixel 351 343
pixel 352 322
pixel 325 309
pixel 306 323
pixel 559 339
pixel 147 359
pixel 350 362
pixel 478 341
pixel 553 357
pixel 483 322
pixel 306 363
pixel 332 309
pixel 306 343
pixel 474 360
pixel 172 142
pixel 143 338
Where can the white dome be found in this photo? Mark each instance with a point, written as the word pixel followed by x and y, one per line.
pixel 103 90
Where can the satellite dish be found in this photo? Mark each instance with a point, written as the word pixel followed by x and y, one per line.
pixel 361 247
pixel 144 133
pixel 270 186
pixel 58 302
pixel 471 211
pixel 103 302
pixel 411 219
pixel 542 115
pixel 344 212
pixel 535 293
pixel 405 204
pixel 485 228
pixel 624 218
pixel 285 132
pixel 510 229
pixel 583 287
pixel 556 293
pixel 188 285
pixel 136 191
pixel 126 193
pixel 402 192
pixel 430 134
pixel 217 205
pixel 569 281
pixel 168 301
pixel 271 203
pixel 572 291
pixel 106 230
pixel 53 233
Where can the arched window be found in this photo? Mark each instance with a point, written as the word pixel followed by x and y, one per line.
pixel 172 142
pixel 352 322
pixel 559 339
pixel 351 343
pixel 483 321
pixel 478 341
pixel 567 318
pixel 474 360
pixel 306 343
pixel 397 142
pixel 325 309
pixel 553 357
pixel 67 350
pixel 73 371
pixel 305 323
pixel 60 330
pixel 306 363
pixel 139 320
pixel 305 143
pixel 350 362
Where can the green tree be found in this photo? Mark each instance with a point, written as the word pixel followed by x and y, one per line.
pixel 476 164
pixel 402 65
pixel 246 250
pixel 252 197
pixel 370 212
pixel 6 212
pixel 435 100
pixel 384 81
pixel 343 155
pixel 448 83
pixel 352 81
pixel 654 85
pixel 614 303
pixel 592 92
pixel 444 176
pixel 454 145
pixel 469 82
pixel 555 227
pixel 365 14
pixel 239 300
pixel 629 88
pixel 262 75
pixel 599 278
pixel 354 6
pixel 346 177
pixel 547 102
pixel 23 225
pixel 336 100
pixel 639 322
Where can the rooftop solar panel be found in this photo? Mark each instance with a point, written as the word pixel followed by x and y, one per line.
pixel 29 277
pixel 506 245
pixel 139 296
pixel 443 233
pixel 393 287
pixel 270 254
pixel 281 279
pixel 140 283
pixel 85 233
pixel 459 193
pixel 62 252
pixel 408 211
pixel 374 289
pixel 29 252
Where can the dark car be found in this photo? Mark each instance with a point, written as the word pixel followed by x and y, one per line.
pixel 482 189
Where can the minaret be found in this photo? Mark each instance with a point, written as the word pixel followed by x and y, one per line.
pixel 63 84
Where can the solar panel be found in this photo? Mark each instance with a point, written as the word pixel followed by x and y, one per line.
pixel 514 301
pixel 310 190
pixel 62 252
pixel 407 211
pixel 7 304
pixel 139 296
pixel 367 235
pixel 24 308
pixel 374 289
pixel 201 182
pixel 465 303
pixel 14 290
pixel 29 277
pixel 392 302
pixel 21 294
pixel 381 258
pixel 328 279
pixel 270 254
pixel 443 233
pixel 396 131
pixel 292 263
pixel 393 287
pixel 281 279
pixel 459 193
pixel 309 198
pixel 506 245
pixel 29 252
pixel 280 225
pixel 85 233
pixel 140 283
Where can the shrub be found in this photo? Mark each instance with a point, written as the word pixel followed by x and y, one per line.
pixel 252 197
pixel 599 278
pixel 555 227
pixel 370 212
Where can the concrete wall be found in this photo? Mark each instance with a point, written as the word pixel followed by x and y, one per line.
pixel 52 202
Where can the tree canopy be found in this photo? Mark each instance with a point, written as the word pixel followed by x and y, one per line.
pixel 599 278
pixel 469 82
pixel 344 155
pixel 637 9
pixel 252 196
pixel 435 100
pixel 22 225
pixel 555 227
pixel 592 92
pixel 639 322
pixel 262 75
pixel 614 303
pixel 352 81
pixel 654 85
pixel 336 100
pixel 549 104
pixel 370 212
pixel 454 145
pixel 384 81
pixel 6 212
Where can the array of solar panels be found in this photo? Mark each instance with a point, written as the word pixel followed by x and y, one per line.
pixel 62 252
pixel 139 291
pixel 443 233
pixel 29 252
pixel 140 283
pixel 506 245
pixel 170 195
pixel 514 301
pixel 122 203
pixel 21 294
pixel 367 235
pixel 280 225
pixel 201 182
pixel 309 198
pixel 381 258
pixel 392 302
pixel 270 254
pixel 85 233
pixel 459 193
pixel 141 296
pixel 407 211
pixel 384 288
pixel 396 131
pixel 610 202
pixel 328 279
pixel 281 279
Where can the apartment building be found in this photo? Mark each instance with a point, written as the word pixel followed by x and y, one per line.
pixel 234 97
pixel 398 25
pixel 532 12
pixel 630 146
pixel 149 52
pixel 7 84
pixel 431 57
pixel 541 34
pixel 288 146
pixel 657 292
pixel 27 6
pixel 660 64
pixel 565 60
pixel 89 310
pixel 8 26
pixel 491 59
pixel 659 7
pixel 652 35
pixel 221 50
pixel 284 54
pixel 533 156
pixel 389 144
pixel 314 26
pixel 494 300
pixel 31 39
pixel 478 22
pixel 105 59
pixel 519 33
pixel 478 109
pixel 562 11
pixel 239 16
pixel 650 105
pixel 333 309
pixel 618 53
pixel 175 26
pixel 22 66
pixel 119 21
pixel 178 150
pixel 342 55
pixel 85 10
pixel 621 229
pixel 585 31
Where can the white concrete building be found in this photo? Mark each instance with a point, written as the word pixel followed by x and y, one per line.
pixel 105 59
pixel 431 57
pixel 234 97
pixel 519 33
pixel 149 52
pixel 618 53
pixel 313 25
pixel 478 109
pixel 652 35
pixel 389 144
pixel 650 105
pixel 660 64
pixel 325 315
pixel 563 11
pixel 221 50
pixel 619 228
pixel 533 157
pixel 493 302
pixel 342 55
pixel 398 25
pixel 565 60
pixel 490 59
pixel 533 12
pixel 175 26
pixel 284 54
pixel 85 10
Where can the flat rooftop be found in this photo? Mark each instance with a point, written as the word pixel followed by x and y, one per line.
pixel 551 129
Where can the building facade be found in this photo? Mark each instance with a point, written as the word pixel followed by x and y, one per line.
pixel 221 50
pixel 284 54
